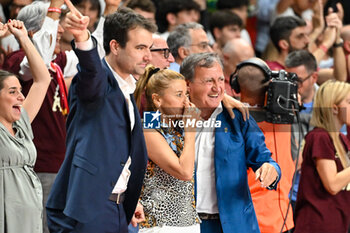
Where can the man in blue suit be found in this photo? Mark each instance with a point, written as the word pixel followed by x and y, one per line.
pixel 99 183
pixel 225 149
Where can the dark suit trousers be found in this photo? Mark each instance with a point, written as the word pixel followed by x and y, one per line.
pixel 111 220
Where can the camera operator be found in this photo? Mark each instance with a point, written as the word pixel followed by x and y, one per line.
pixel 252 80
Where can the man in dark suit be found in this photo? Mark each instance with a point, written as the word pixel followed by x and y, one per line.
pixel 98 185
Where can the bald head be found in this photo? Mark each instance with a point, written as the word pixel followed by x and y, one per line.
pixel 252 82
pixel 234 52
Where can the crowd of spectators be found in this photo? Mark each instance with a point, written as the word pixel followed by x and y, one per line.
pixel 76 147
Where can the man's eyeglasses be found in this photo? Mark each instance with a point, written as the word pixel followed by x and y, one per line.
pixel 302 80
pixel 202 45
pixel 166 51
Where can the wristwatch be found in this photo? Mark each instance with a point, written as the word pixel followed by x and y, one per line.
pixel 340 44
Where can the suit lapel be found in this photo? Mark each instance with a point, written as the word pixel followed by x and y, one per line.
pixel 114 84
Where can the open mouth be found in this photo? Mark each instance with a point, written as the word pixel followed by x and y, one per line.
pixel 214 96
pixel 17 108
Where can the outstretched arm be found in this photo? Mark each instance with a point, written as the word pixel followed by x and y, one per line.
pixel 41 76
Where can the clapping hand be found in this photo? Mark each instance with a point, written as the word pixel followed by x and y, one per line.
pixel 76 23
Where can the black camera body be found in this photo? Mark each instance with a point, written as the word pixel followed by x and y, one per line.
pixel 281 95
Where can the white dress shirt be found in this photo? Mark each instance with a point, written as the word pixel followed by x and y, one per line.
pixel 205 170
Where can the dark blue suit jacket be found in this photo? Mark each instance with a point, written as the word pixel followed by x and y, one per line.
pixel 99 142
pixel 238 145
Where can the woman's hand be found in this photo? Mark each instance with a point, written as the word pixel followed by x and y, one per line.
pixel 18 29
pixel 191 114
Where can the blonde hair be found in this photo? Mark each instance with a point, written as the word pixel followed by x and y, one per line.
pixel 329 94
pixel 156 81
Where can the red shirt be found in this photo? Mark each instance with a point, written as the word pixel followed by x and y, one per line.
pixel 316 209
pixel 274 65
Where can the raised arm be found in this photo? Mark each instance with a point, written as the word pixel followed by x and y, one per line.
pixel 45 39
pixel 41 76
pixel 339 68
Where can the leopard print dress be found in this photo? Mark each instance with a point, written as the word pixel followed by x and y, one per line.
pixel 165 199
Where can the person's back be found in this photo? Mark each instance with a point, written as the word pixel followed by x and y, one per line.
pixel 252 79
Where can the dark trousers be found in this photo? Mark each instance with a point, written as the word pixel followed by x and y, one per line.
pixel 111 220
pixel 211 226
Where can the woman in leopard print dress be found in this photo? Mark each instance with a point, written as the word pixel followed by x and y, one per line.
pixel 168 192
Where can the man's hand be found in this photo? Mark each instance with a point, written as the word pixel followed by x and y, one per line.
pixel 139 215
pixel 267 174
pixel 77 23
pixel 230 102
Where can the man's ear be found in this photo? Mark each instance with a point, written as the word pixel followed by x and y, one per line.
pixel 216 33
pixel 183 52
pixel 283 44
pixel 314 77
pixel 171 18
pixel 114 47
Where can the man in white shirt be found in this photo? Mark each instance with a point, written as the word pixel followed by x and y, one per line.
pixel 225 149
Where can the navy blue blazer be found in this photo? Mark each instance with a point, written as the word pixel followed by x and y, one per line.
pixel 99 142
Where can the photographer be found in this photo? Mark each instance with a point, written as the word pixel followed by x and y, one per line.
pixel 252 80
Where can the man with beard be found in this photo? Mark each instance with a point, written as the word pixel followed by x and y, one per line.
pixel 289 33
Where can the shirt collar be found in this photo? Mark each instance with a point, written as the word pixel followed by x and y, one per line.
pixel 127 85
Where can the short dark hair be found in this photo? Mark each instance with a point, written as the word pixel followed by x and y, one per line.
pixel 118 24
pixel 172 6
pixel 282 27
pixel 145 5
pixel 229 4
pixel 94 3
pixel 223 18
pixel 301 57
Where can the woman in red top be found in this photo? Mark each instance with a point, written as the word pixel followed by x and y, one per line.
pixel 324 191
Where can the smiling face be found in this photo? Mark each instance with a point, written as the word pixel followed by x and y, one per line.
pixel 11 100
pixel 207 88
pixel 133 58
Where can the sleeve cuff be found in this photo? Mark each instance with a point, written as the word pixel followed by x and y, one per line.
pixel 85 45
